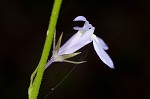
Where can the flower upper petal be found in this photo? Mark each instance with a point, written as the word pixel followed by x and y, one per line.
pixel 80 18
pixel 86 25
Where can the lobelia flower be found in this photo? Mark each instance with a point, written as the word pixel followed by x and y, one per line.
pixel 99 45
pixel 83 37
pixel 60 54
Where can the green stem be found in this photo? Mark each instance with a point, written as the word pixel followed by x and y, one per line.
pixel 35 85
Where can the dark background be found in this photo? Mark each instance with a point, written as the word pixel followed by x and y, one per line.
pixel 122 24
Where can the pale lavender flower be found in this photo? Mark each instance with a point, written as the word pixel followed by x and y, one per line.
pixel 99 45
pixel 83 37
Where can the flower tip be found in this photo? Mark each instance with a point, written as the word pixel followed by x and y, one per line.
pixel 80 18
pixel 110 64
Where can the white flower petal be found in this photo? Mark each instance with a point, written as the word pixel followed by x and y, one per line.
pixel 77 28
pixel 70 42
pixel 102 43
pixel 84 40
pixel 84 28
pixel 101 53
pixel 80 18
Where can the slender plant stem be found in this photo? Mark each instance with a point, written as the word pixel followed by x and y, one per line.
pixel 35 85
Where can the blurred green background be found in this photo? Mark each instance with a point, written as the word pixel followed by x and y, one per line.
pixel 122 24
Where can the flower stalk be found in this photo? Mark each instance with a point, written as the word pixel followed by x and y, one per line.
pixel 37 75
